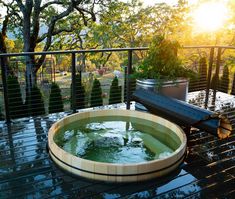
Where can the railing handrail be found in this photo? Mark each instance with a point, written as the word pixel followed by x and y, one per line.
pixel 209 46
pixel 73 51
pixel 103 50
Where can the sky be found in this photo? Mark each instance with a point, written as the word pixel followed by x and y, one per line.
pixel 149 2
pixel 152 2
pixel 171 2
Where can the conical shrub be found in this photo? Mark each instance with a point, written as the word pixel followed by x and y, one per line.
pixel 199 83
pixel 214 83
pixel 233 86
pixel 224 81
pixel 55 99
pixel 1 115
pixel 26 104
pixel 115 94
pixel 15 101
pixel 96 94
pixel 80 93
pixel 37 103
pixel 202 73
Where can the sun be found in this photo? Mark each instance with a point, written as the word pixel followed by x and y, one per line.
pixel 210 16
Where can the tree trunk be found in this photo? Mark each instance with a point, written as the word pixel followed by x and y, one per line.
pixel 26 33
pixel 3 48
pixel 32 11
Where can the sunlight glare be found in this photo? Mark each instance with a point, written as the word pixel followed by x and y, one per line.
pixel 210 17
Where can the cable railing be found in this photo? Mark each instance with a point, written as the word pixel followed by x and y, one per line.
pixel 76 92
pixel 75 82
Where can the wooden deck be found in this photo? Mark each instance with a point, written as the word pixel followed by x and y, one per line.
pixel 26 170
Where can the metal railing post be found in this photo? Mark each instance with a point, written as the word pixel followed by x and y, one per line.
pixel 5 90
pixel 83 68
pixel 209 75
pixel 73 70
pixel 128 80
pixel 216 73
pixel 125 84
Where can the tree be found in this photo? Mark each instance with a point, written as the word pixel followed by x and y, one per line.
pixel 31 16
pixel 63 62
pixel 55 99
pixel 115 92
pixel 96 94
pixel 133 27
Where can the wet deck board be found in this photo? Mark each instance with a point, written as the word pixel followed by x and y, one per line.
pixel 28 172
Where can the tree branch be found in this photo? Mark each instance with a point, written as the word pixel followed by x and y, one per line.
pixel 50 33
pixel 55 32
pixel 11 10
pixel 21 6
pixel 56 2
pixel 82 11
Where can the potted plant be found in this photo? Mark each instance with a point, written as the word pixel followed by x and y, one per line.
pixel 162 70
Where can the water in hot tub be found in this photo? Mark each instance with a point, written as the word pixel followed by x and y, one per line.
pixel 112 141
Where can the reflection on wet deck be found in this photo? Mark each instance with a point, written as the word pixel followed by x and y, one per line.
pixel 28 172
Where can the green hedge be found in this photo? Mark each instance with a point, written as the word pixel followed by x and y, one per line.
pixel 224 81
pixel 1 115
pixel 233 86
pixel 115 95
pixel 55 99
pixel 96 94
pixel 200 82
pixel 80 93
pixel 15 102
pixel 37 103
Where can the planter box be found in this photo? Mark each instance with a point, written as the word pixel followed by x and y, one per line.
pixel 177 89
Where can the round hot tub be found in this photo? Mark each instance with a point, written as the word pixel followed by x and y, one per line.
pixel 116 145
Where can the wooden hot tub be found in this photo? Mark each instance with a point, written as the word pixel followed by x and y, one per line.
pixel 124 172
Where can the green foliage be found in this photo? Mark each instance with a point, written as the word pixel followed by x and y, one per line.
pixel 162 61
pixel 224 81
pixel 37 103
pixel 15 101
pixel 55 100
pixel 96 94
pixel 80 93
pixel 115 92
